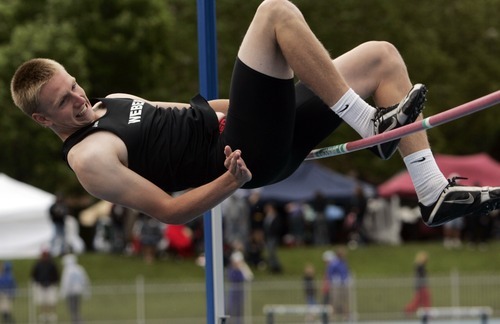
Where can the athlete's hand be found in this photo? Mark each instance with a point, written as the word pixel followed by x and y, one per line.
pixel 236 166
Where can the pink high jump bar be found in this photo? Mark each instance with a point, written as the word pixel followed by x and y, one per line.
pixel 427 123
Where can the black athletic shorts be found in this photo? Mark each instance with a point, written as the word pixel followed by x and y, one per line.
pixel 274 122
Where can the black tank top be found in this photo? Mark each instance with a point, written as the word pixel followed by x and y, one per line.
pixel 170 147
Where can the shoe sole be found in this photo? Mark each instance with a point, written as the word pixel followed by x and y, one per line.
pixel 490 205
pixel 420 100
pixel 412 111
pixel 416 107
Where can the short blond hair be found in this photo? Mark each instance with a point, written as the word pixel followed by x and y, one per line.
pixel 28 80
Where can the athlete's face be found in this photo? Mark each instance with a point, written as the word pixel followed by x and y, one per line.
pixel 64 105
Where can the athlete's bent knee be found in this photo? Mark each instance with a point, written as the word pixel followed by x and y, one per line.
pixel 278 10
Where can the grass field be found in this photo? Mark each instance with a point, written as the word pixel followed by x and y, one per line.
pixel 378 261
pixel 176 287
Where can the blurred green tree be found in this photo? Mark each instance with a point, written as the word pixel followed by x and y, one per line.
pixel 149 48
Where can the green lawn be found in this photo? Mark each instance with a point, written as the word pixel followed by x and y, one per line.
pixel 378 261
pixel 176 287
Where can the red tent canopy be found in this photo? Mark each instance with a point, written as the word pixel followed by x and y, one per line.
pixel 480 169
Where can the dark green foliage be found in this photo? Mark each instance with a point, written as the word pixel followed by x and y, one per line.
pixel 149 48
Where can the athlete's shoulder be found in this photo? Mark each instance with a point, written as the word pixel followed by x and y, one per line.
pixel 86 154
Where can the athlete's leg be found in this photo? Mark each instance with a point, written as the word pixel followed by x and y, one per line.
pixel 387 83
pixel 279 43
pixel 376 69
pixel 261 116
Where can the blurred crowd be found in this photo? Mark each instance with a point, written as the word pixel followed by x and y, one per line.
pixel 257 227
pixel 253 231
pixel 260 227
pixel 49 285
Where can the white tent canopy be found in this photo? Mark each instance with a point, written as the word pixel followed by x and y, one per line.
pixel 25 225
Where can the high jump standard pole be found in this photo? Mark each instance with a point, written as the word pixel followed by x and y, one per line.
pixel 212 220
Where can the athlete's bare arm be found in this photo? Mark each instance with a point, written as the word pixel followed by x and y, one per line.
pixel 102 170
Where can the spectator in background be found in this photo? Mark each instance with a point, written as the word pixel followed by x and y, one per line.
pixel 479 227
pixel 309 279
pixel 452 232
pixel 358 209
pixel 309 223
pixel 272 237
pixel 328 257
pixel 150 233
pixel 180 240
pixel 296 221
pixel 238 273
pixel 73 242
pixel 75 285
pixel 422 296
pixel 334 215
pixel 236 218
pixel 319 204
pixel 495 224
pixel 45 276
pixel 118 215
pixel 339 279
pixel 58 212
pixel 7 292
pixel 255 249
pixel 256 245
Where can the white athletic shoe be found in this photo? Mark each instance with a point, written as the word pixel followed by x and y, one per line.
pixel 457 201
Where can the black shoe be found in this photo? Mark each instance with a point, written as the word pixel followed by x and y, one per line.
pixel 404 113
pixel 457 201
